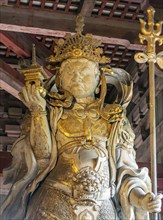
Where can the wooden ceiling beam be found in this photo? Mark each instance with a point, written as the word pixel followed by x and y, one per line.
pixel 10 80
pixel 21 44
pixel 24 17
pixel 9 88
pixel 54 33
pixel 87 7
pixel 9 71
pixel 13 44
pixel 157 4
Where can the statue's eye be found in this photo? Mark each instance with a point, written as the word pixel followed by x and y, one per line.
pixel 84 69
pixel 69 69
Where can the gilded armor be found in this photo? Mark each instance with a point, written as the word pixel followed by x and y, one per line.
pixel 81 176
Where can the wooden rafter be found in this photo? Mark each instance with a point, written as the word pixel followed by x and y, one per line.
pixel 24 17
pixel 87 7
pixel 21 44
pixel 54 33
pixel 14 44
pixel 10 80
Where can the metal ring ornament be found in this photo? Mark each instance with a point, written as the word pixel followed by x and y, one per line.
pixel 141 57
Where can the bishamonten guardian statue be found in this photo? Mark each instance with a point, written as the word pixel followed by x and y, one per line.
pixel 74 159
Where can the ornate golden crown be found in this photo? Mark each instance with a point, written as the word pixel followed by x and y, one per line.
pixel 78 46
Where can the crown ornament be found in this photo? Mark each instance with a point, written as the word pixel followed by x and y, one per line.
pixel 78 45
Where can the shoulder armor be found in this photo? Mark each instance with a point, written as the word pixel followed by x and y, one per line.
pixel 112 112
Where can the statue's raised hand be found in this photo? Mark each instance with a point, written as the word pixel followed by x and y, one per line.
pixel 151 203
pixel 32 98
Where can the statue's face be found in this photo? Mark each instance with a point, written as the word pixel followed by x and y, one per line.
pixel 80 77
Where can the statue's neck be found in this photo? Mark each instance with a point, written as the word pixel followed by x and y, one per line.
pixel 87 100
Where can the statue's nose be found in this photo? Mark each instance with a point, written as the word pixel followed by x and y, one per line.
pixel 77 75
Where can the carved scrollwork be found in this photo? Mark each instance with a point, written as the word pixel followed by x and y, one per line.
pixel 141 57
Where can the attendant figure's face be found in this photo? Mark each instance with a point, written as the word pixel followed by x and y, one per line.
pixel 80 77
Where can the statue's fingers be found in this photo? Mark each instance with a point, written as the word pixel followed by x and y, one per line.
pixel 20 94
pixel 37 92
pixel 33 92
pixel 154 211
pixel 159 196
pixel 154 202
pixel 33 89
pixel 22 98
pixel 29 92
pixel 150 196
pixel 154 207
pixel 25 94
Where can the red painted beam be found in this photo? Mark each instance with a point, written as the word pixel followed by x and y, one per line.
pixel 10 80
pixel 8 88
pixel 12 73
pixel 14 46
pixel 57 33
pixel 41 19
pixel 21 44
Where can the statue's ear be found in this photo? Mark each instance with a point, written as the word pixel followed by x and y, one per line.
pixel 123 84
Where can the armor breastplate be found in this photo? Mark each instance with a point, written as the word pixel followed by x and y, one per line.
pixel 72 126
pixel 82 169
